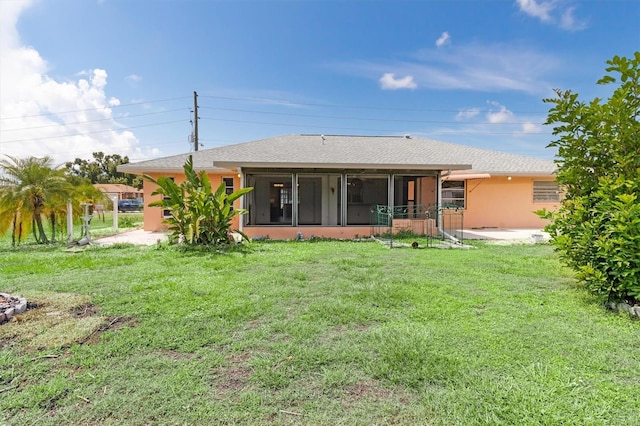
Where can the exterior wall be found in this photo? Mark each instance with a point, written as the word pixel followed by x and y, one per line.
pixel 291 232
pixel 498 202
pixel 495 202
pixel 153 215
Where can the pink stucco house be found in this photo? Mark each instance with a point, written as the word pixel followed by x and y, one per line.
pixel 331 185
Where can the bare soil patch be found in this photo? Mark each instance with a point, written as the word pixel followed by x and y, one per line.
pixel 229 379
pixel 55 320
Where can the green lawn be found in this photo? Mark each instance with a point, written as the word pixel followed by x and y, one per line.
pixel 103 225
pixel 100 226
pixel 335 333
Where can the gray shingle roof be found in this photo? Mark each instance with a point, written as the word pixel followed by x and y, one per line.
pixel 363 152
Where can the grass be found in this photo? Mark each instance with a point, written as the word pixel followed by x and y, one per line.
pixel 103 225
pixel 311 333
pixel 100 226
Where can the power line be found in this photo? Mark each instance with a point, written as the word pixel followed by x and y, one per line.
pixel 363 118
pixel 287 103
pixel 122 117
pixel 90 133
pixel 361 129
pixel 94 109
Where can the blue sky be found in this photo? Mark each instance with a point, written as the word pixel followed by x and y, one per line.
pixel 117 76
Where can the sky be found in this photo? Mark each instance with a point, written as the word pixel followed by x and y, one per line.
pixel 119 76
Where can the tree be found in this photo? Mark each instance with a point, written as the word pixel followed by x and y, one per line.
pixel 198 215
pixel 597 228
pixel 31 189
pixel 103 169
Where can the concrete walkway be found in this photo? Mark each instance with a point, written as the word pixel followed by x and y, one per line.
pixel 500 234
pixel 141 237
pixel 138 237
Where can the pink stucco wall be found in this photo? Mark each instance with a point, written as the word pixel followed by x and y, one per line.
pixel 495 202
pixel 498 202
pixel 153 215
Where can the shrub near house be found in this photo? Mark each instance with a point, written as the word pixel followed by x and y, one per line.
pixel 597 229
pixel 198 216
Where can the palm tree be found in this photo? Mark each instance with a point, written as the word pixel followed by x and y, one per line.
pixel 30 188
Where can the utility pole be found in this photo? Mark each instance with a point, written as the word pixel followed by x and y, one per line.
pixel 195 121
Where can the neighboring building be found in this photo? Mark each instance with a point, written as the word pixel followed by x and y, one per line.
pixel 124 192
pixel 329 186
pixel 118 191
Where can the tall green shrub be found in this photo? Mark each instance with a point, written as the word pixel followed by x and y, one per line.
pixel 597 228
pixel 199 216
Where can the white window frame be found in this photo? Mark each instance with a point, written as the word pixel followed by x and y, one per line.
pixel 452 201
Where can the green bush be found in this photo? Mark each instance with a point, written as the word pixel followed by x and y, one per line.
pixel 602 241
pixel 198 215
pixel 597 228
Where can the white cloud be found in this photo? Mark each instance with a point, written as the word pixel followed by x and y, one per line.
pixel 552 12
pixel 570 23
pixel 468 113
pixel 133 79
pixel 531 128
pixel 540 10
pixel 477 67
pixel 496 67
pixel 41 116
pixel 443 39
pixel 389 82
pixel 502 115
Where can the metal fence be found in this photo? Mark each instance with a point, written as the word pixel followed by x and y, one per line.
pixel 433 221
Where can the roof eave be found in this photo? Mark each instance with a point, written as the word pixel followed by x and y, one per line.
pixel 170 170
pixel 356 166
pixel 530 173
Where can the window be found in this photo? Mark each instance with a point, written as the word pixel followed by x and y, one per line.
pixel 546 191
pixel 228 184
pixel 167 213
pixel 453 193
pixel 228 181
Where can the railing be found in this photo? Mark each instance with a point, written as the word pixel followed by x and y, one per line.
pixel 445 221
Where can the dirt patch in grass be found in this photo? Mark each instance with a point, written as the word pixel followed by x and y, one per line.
pixel 372 391
pixel 368 389
pixel 232 378
pixel 110 323
pixel 86 310
pixel 252 325
pixel 338 332
pixel 54 320
pixel 174 355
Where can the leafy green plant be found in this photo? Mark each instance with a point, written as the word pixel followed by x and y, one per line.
pixel 597 228
pixel 199 216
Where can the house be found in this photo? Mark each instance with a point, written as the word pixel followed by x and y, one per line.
pixel 124 192
pixel 336 186
pixel 117 192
